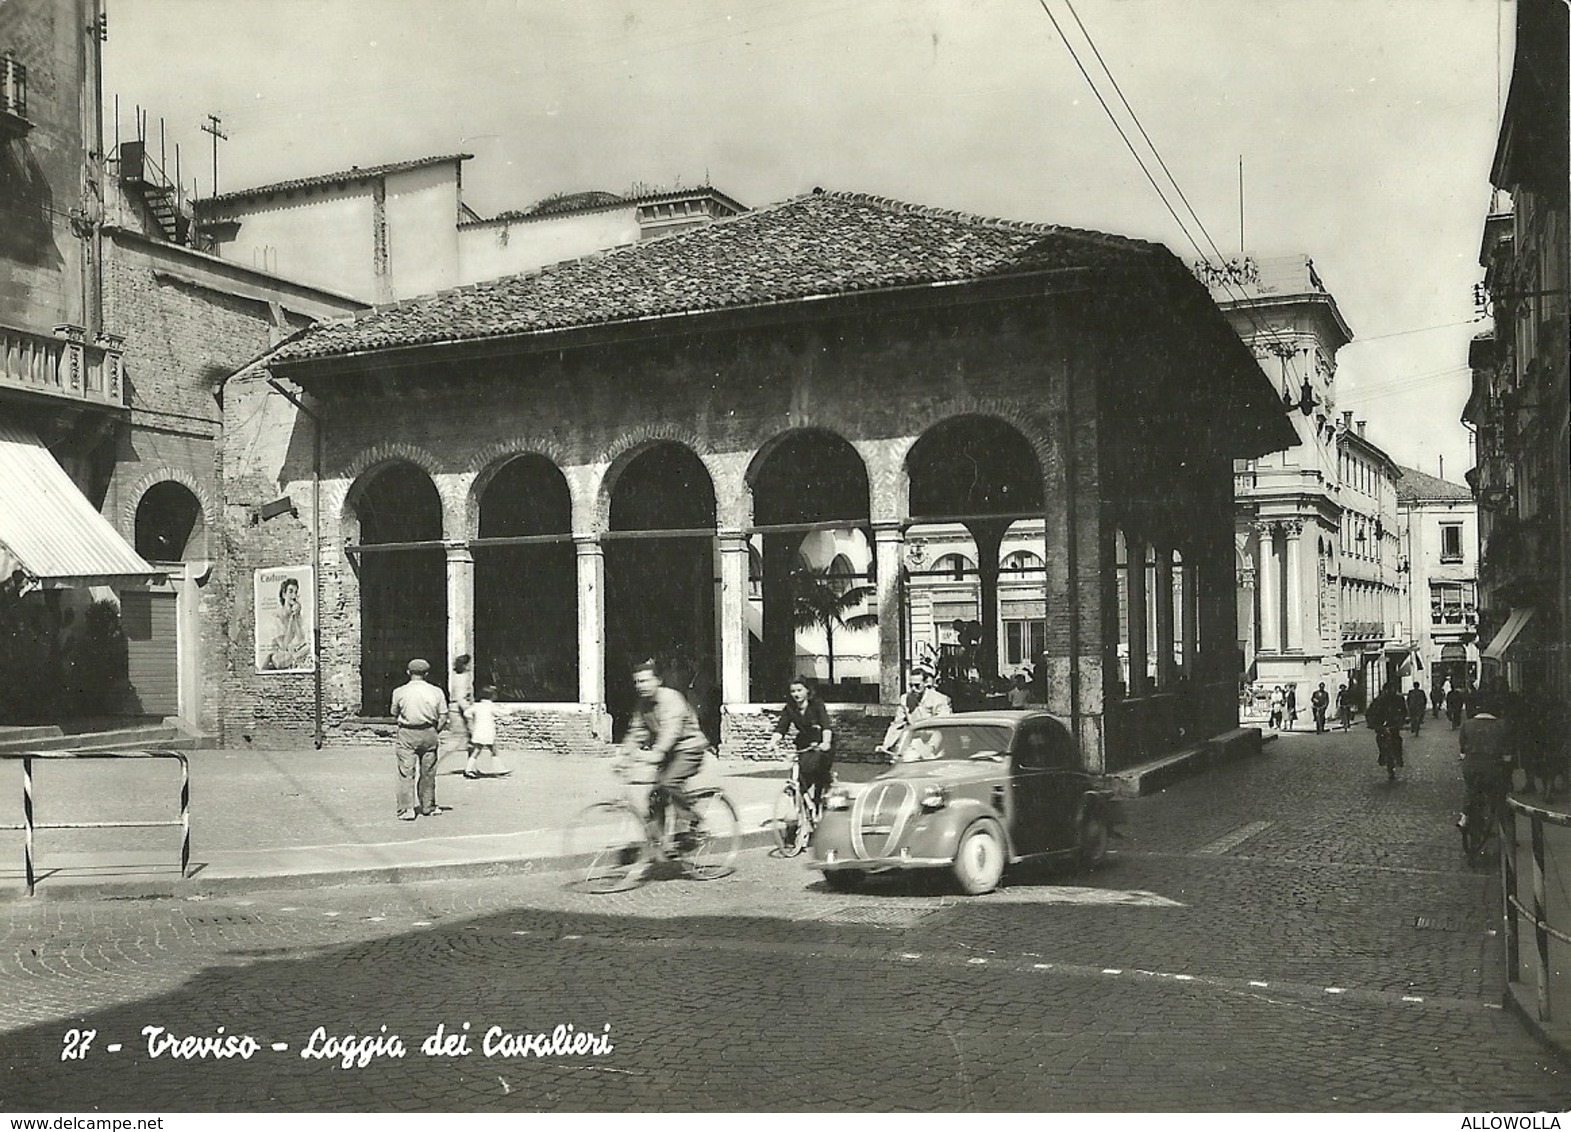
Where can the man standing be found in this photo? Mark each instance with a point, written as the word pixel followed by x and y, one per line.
pixel 1318 702
pixel 1344 706
pixel 421 711
pixel 923 701
pixel 1456 701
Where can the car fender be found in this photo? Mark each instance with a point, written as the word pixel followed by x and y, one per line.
pixel 936 833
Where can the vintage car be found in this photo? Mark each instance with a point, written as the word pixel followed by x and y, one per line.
pixel 971 793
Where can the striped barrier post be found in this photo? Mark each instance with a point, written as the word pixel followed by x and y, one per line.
pixel 27 820
pixel 185 816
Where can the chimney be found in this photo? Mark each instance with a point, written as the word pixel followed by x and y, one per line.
pixel 1442 467
pixel 1361 425
pixel 1347 420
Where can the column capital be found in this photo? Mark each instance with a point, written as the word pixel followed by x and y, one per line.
pixel 731 541
pixel 588 544
pixel 1266 528
pixel 888 530
pixel 458 550
pixel 1293 528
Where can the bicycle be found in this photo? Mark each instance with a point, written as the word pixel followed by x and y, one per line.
pixel 618 842
pixel 797 813
pixel 1482 810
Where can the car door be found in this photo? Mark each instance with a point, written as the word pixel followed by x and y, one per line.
pixel 1032 786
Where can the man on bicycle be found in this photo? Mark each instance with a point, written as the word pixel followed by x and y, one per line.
pixel 665 725
pixel 1486 758
pixel 814 758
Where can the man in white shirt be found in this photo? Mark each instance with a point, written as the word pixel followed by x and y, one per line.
pixel 420 709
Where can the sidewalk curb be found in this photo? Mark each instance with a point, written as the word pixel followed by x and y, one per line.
pixel 152 885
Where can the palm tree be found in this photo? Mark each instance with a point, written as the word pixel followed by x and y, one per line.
pixel 823 598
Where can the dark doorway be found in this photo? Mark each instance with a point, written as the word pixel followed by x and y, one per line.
pixel 403 592
pixel 660 590
pixel 526 596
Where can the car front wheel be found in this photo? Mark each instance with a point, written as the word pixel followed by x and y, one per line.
pixel 979 861
pixel 1091 839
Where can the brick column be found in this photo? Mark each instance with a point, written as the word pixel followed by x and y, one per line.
pixel 734 685
pixel 460 602
pixel 889 543
pixel 591 620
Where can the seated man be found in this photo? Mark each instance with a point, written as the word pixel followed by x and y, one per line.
pixel 923 701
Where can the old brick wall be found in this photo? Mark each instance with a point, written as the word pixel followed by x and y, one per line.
pixel 878 382
pixel 187 325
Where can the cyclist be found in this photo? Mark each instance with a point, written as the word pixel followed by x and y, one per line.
pixel 814 758
pixel 664 724
pixel 1486 761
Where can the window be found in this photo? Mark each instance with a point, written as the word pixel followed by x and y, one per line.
pixel 1024 641
pixel 957 566
pixel 1450 542
pixel 1022 565
pixel 13 87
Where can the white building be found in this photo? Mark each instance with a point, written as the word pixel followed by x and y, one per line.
pixel 1438 527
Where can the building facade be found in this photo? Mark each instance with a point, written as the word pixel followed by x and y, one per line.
pixel 1319 592
pixel 626 455
pixel 114 342
pixel 396 231
pixel 1438 532
pixel 1520 405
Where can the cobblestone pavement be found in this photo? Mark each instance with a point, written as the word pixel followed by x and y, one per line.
pixel 1292 933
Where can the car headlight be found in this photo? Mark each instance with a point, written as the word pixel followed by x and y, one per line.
pixel 838 799
pixel 935 797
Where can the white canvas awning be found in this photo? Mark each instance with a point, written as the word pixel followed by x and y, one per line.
pixel 1508 634
pixel 48 529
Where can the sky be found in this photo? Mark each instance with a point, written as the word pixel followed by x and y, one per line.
pixel 1365 127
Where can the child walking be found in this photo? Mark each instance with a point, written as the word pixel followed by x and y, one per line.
pixel 482 736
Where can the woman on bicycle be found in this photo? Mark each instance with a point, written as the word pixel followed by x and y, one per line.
pixel 814 761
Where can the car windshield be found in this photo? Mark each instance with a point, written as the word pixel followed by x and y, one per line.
pixel 954 741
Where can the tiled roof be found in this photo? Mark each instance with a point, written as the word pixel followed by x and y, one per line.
pixel 816 245
pixel 348 176
pixel 1414 486
pixel 595 200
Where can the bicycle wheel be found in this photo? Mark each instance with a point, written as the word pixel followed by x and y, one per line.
pixel 609 846
pixel 784 822
pixel 716 836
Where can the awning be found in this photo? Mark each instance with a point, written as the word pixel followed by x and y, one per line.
pixel 48 529
pixel 1452 652
pixel 1508 634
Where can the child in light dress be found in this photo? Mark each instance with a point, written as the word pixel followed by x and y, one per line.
pixel 482 736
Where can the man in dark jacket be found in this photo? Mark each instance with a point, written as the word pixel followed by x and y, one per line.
pixel 1456 701
pixel 1416 703
pixel 1386 715
pixel 1319 700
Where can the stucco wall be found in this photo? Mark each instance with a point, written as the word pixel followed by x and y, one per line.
pixel 510 247
pixel 325 238
pixel 422 233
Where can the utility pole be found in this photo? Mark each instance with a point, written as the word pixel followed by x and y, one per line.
pixel 211 126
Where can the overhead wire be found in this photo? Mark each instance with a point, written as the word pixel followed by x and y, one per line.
pixel 1240 299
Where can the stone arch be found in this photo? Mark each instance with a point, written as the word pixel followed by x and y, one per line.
pixel 1010 412
pixel 352 477
pixel 161 474
pixel 628 446
pixel 766 452
pixel 490 461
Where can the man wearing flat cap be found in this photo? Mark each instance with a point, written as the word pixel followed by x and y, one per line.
pixel 421 711
pixel 923 701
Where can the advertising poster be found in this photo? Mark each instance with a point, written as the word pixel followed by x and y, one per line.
pixel 285 619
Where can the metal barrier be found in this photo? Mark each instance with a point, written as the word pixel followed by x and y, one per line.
pixel 29 825
pixel 1537 916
